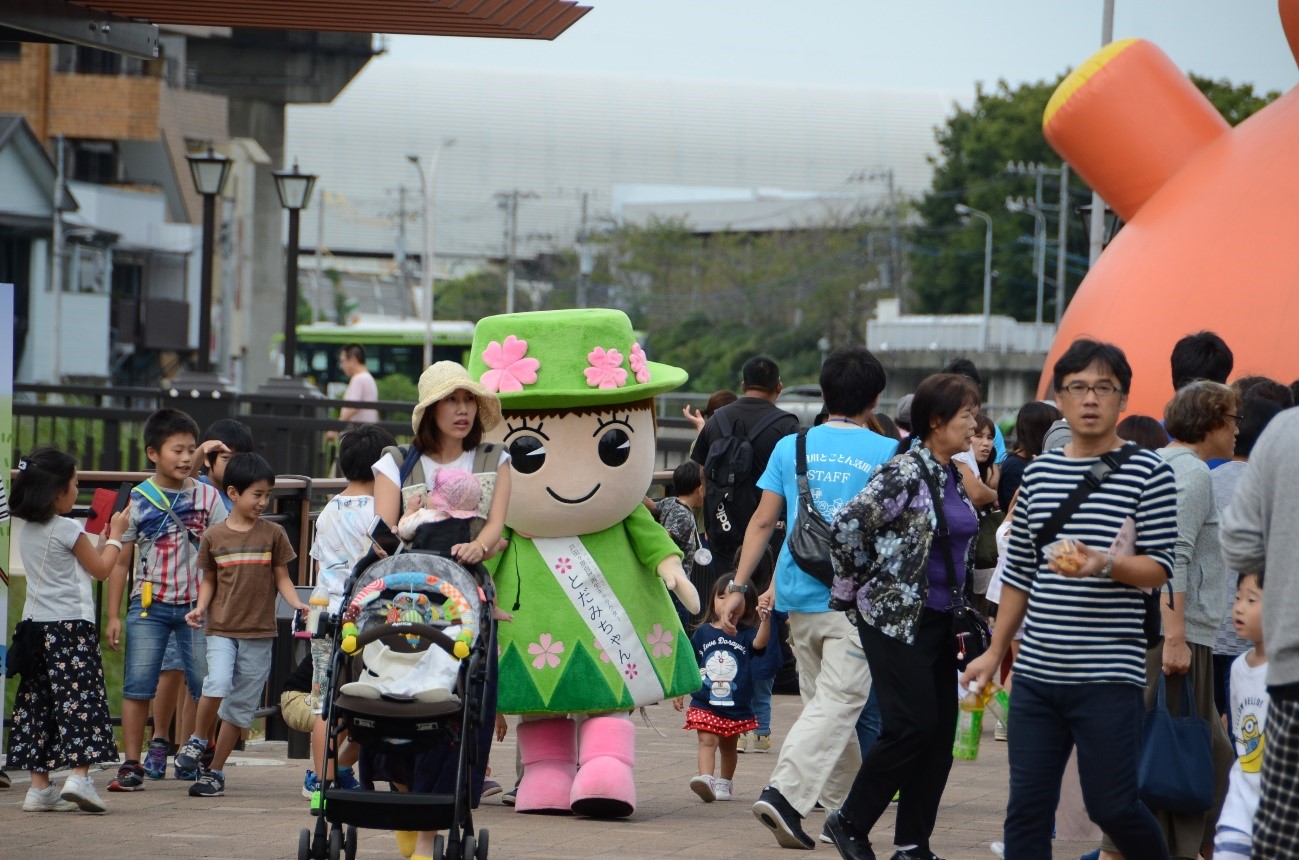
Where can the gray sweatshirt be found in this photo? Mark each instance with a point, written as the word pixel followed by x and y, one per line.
pixel 1198 570
pixel 1260 530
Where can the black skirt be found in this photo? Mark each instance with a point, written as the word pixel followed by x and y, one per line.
pixel 61 711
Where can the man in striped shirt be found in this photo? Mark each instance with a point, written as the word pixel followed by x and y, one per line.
pixel 1081 671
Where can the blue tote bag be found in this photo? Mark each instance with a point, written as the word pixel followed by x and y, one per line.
pixel 1176 769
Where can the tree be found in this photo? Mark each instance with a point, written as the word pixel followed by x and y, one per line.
pixel 974 146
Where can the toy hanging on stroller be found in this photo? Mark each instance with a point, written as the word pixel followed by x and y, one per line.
pixel 410 675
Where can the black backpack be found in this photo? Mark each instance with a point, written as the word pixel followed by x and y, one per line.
pixel 730 481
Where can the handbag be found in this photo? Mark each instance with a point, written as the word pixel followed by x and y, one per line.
pixel 985 542
pixel 809 539
pixel 20 659
pixel 1175 770
pixel 971 633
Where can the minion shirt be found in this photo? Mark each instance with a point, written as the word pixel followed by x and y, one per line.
pixel 1249 703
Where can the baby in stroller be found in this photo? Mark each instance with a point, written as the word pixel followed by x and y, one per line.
pixel 450 506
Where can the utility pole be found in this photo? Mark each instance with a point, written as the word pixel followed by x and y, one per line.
pixel 509 201
pixel 401 243
pixel 1061 244
pixel 585 259
pixel 1097 237
pixel 56 259
pixel 895 256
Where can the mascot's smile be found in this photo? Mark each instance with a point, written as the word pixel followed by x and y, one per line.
pixel 560 498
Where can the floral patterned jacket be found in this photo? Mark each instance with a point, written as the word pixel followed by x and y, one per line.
pixel 882 540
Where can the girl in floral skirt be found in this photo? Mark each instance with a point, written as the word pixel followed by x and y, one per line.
pixel 722 709
pixel 61 712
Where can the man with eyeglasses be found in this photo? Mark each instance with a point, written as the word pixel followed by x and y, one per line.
pixel 1081 670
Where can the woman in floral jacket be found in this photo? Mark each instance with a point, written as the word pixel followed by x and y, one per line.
pixel 891 577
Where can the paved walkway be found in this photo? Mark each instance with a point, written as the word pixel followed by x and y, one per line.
pixel 263 810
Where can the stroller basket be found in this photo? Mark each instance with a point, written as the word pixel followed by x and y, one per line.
pixel 390 810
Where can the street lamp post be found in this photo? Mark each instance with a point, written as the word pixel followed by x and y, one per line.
pixel 962 209
pixel 294 188
pixel 1019 204
pixel 210 171
pixel 428 191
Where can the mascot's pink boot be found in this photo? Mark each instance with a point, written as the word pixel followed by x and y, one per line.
pixel 548 749
pixel 604 787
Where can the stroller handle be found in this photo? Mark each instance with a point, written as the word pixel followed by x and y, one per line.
pixel 423 631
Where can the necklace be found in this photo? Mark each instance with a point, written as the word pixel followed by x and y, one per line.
pixel 844 421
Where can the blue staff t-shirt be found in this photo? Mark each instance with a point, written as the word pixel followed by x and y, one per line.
pixel 840 460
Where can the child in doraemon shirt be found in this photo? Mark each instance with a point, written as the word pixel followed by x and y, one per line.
pixel 722 709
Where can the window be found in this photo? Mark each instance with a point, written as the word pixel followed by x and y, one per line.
pixel 11 50
pixel 93 161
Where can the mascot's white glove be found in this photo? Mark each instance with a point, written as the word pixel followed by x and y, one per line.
pixel 674 576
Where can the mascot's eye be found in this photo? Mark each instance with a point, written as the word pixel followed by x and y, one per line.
pixel 615 448
pixel 527 454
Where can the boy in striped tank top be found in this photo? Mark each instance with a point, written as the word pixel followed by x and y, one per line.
pixel 1080 675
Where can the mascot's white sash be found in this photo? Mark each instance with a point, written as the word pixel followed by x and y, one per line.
pixel 578 573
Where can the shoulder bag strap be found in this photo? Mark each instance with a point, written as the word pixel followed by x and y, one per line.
pixel 771 418
pixel 941 534
pixel 800 470
pixel 1092 480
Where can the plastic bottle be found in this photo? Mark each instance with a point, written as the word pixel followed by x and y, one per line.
pixel 319 603
pixel 969 723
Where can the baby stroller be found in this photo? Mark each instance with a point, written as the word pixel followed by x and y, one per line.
pixel 408 674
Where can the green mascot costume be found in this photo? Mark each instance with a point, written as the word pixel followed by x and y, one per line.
pixel 583 574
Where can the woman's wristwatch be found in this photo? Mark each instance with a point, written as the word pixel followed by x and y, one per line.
pixel 735 588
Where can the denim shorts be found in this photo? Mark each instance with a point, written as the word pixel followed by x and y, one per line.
pixel 147 635
pixel 171 661
pixel 237 673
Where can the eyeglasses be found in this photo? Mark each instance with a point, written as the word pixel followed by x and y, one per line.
pixel 1100 389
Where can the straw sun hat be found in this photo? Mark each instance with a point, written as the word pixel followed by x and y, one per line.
pixel 440 379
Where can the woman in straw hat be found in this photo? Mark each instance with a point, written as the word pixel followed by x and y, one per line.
pixel 449 421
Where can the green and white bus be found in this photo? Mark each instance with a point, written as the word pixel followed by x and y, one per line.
pixel 391 346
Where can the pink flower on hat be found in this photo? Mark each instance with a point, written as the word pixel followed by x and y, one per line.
pixel 606 369
pixel 510 371
pixel 639 365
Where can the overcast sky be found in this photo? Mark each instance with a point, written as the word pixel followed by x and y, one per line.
pixel 927 44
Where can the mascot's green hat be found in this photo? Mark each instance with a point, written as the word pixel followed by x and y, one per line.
pixel 553 359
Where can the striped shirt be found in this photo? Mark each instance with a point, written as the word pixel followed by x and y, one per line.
pixel 168 555
pixel 1088 630
pixel 243 564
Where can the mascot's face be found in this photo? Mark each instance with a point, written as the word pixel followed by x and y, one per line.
pixel 577 474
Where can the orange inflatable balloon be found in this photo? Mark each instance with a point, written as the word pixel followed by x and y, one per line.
pixel 1210 211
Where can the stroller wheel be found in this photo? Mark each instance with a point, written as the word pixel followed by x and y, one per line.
pixel 349 843
pixel 481 853
pixel 335 843
pixel 467 848
pixel 439 847
pixel 304 844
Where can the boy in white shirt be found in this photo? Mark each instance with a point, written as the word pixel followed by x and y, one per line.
pixel 1249 704
pixel 342 539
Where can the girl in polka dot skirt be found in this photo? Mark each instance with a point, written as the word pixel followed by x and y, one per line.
pixel 722 709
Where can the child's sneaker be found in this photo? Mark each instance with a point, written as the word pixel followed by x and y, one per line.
pixel 46 800
pixel 1000 732
pixel 310 784
pixel 722 789
pixel 178 772
pixel 130 777
pixel 346 778
pixel 703 786
pixel 509 797
pixel 5 781
pixel 762 744
pixel 191 755
pixel 211 783
pixel 80 790
pixel 155 760
pixel 743 741
pixel 491 787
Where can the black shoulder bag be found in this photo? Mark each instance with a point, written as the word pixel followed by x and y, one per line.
pixel 1152 623
pixel 970 631
pixel 809 540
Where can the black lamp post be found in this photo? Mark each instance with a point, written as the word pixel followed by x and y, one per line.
pixel 1112 223
pixel 294 188
pixel 210 171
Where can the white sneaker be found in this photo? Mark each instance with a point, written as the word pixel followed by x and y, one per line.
pixel 722 789
pixel 80 790
pixel 46 800
pixel 999 733
pixel 704 786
